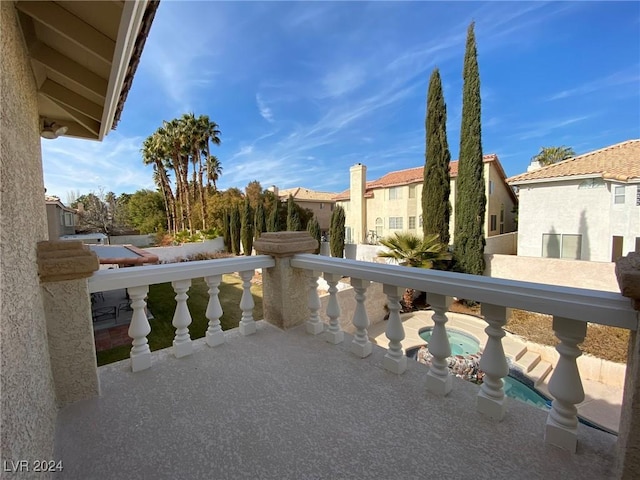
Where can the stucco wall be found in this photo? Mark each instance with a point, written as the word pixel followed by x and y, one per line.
pixel 506 244
pixel 553 271
pixel 174 254
pixel 563 208
pixel 374 304
pixel 135 240
pixel 28 398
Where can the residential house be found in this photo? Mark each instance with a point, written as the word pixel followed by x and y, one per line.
pixel 279 403
pixel 66 69
pixel 61 220
pixel 393 202
pixel 583 208
pixel 320 203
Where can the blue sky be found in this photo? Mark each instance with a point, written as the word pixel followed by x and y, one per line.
pixel 303 91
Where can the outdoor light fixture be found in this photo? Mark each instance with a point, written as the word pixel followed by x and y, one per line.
pixel 52 130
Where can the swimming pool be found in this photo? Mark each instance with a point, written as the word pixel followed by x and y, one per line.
pixel 461 343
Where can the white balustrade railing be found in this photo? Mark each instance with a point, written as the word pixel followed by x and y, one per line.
pixel 137 281
pixel 571 309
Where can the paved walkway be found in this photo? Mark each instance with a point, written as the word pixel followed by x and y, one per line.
pixel 602 402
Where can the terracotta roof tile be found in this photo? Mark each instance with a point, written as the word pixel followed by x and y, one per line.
pixel 616 162
pixel 407 176
pixel 300 193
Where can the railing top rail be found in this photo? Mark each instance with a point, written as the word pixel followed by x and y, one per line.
pixel 104 280
pixel 606 308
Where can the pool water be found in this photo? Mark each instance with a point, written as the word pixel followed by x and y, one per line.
pixel 514 388
pixel 461 343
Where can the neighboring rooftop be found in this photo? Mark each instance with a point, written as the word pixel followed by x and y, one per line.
pixel 300 193
pixel 410 176
pixel 619 162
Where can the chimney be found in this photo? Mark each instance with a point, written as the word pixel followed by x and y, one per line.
pixel 534 165
pixel 273 189
pixel 358 209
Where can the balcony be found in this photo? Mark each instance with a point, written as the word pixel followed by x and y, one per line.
pixel 292 397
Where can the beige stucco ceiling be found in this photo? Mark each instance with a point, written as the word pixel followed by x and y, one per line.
pixel 80 53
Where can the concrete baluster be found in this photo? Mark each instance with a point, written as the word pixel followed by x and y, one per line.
pixel 361 346
pixel 333 334
pixel 490 400
pixel 247 323
pixel 314 324
pixel 395 361
pixel 565 385
pixel 439 378
pixel 215 335
pixel 139 328
pixel 182 345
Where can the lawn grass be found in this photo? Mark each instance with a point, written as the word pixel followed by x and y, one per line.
pixel 162 304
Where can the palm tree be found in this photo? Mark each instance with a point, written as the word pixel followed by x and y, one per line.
pixel 412 251
pixel 550 155
pixel 214 170
pixel 154 154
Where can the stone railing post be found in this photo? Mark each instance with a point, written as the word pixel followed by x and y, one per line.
pixel 63 268
pixel 284 288
pixel 628 460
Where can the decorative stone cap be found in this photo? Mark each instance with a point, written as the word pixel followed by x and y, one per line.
pixel 628 275
pixel 285 244
pixel 65 260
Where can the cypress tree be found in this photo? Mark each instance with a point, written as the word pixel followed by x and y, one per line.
pixel 260 222
pixel 226 231
pixel 273 224
pixel 337 232
pixel 293 219
pixel 470 197
pixel 246 229
pixel 436 188
pixel 313 227
pixel 234 220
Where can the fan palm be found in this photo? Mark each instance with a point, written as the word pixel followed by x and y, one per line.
pixel 412 251
pixel 550 155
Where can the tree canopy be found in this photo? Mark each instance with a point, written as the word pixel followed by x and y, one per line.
pixel 550 155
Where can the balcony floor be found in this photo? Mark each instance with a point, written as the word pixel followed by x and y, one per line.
pixel 289 405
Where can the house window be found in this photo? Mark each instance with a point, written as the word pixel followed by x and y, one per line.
pixel 412 191
pixel 321 206
pixel 412 223
pixel 379 227
pixel 395 193
pixel 395 223
pixel 493 223
pixel 347 235
pixel 420 221
pixel 68 219
pixel 555 245
pixel 491 187
pixel 501 219
pixel 331 207
pixel 591 183
pixel 638 196
pixel 618 194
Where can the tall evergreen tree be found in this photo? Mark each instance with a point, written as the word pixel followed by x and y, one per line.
pixel 313 227
pixel 293 219
pixel 226 231
pixel 337 232
pixel 234 220
pixel 260 222
pixel 470 197
pixel 436 208
pixel 246 228
pixel 273 224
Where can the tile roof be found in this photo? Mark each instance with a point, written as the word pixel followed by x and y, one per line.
pixel 300 193
pixel 616 162
pixel 408 176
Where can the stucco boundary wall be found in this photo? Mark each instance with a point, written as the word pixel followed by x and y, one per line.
pixel 174 254
pixel 505 244
pixel 135 240
pixel 553 271
pixel 374 305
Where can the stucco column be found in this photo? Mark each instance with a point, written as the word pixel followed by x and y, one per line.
pixel 628 466
pixel 64 268
pixel 284 289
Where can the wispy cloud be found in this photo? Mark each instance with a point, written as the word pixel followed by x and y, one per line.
pixel 544 128
pixel 617 79
pixel 265 111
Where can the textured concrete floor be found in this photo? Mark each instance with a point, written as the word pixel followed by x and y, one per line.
pixel 287 405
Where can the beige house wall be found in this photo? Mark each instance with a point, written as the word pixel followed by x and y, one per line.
pixel 28 396
pixel 380 206
pixel 322 211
